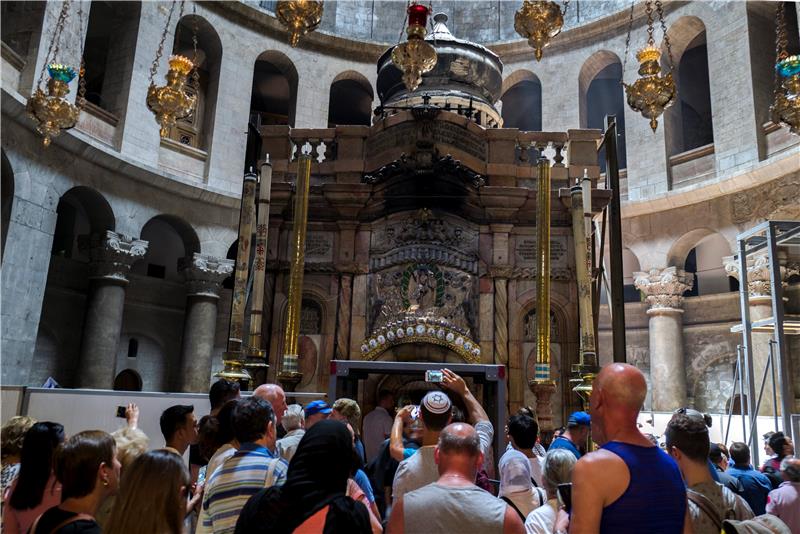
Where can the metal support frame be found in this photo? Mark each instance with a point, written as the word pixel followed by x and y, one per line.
pixel 768 235
pixel 616 294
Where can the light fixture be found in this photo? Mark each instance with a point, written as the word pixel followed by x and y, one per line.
pixel 51 111
pixel 785 108
pixel 539 22
pixel 299 16
pixel 416 56
pixel 653 92
pixel 171 102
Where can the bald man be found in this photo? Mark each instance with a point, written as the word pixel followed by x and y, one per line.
pixel 629 485
pixel 277 398
pixel 454 503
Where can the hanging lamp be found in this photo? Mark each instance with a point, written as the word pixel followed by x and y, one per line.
pixel 171 102
pixel 51 111
pixel 652 92
pixel 299 17
pixel 785 108
pixel 538 22
pixel 415 56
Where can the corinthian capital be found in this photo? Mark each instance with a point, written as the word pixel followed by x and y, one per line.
pixel 204 274
pixel 111 254
pixel 664 288
pixel 758 274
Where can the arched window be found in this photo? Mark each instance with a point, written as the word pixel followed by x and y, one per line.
pixel 108 54
pixel 688 123
pixel 600 95
pixel 630 265
pixel 274 96
pixel 169 239
pixel 197 129
pixel 350 100
pixel 522 101
pixel 80 211
pixel 705 262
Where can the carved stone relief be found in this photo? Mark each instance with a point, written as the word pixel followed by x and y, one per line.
pixel 761 203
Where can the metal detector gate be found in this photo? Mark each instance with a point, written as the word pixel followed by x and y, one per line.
pixel 346 374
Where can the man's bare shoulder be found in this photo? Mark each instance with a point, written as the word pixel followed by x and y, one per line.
pixel 598 462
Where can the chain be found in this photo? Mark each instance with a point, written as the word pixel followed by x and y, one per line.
pixel 196 71
pixel 82 73
pixel 781 42
pixel 54 46
pixel 405 21
pixel 160 51
pixel 660 10
pixel 627 41
pixel 648 8
pixel 564 11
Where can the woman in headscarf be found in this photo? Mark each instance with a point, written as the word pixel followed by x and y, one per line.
pixel 516 487
pixel 313 498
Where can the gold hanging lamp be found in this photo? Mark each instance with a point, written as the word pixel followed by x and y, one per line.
pixel 416 56
pixel 51 111
pixel 538 22
pixel 171 102
pixel 785 108
pixel 653 92
pixel 299 17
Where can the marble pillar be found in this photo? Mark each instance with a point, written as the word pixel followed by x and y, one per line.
pixel 204 275
pixel 111 256
pixel 664 289
pixel 760 302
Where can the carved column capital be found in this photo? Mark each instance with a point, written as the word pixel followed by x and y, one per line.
pixel 664 288
pixel 758 275
pixel 204 274
pixel 111 254
pixel 501 271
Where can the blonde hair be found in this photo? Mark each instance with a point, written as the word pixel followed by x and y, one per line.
pixel 13 433
pixel 131 443
pixel 349 409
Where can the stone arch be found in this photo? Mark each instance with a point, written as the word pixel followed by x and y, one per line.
pixel 273 99
pixel 128 380
pixel 687 121
pixel 600 94
pixel 150 361
pixel 522 101
pixel 705 261
pixel 197 130
pixel 6 199
pixel 169 238
pixel 682 245
pixel 81 210
pixel 350 102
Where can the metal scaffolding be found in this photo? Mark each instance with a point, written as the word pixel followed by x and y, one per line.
pixel 768 236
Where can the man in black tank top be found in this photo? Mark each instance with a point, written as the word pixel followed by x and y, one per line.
pixel 629 485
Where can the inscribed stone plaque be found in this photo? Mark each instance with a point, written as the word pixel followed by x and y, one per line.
pixel 319 247
pixel 525 251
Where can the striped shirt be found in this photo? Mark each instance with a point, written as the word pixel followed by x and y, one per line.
pixel 252 468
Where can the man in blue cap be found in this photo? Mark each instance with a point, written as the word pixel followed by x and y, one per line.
pixel 576 434
pixel 316 411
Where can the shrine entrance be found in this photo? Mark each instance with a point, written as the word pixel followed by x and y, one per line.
pixel 487 382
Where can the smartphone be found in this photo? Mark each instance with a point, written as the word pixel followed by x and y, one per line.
pixel 121 411
pixel 415 413
pixel 565 496
pixel 434 376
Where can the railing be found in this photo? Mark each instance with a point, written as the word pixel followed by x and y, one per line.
pixel 691 167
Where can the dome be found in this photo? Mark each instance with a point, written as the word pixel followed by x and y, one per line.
pixel 466 76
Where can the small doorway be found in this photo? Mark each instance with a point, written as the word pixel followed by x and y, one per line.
pixel 128 380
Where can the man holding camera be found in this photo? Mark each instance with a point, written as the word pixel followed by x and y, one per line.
pixel 435 413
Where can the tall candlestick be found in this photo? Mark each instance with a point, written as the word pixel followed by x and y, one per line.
pixel 254 349
pixel 542 369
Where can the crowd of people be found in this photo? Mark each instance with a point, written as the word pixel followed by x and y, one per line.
pixel 258 465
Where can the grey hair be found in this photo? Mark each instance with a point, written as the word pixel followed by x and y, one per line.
pixel 791 468
pixel 450 442
pixel 293 417
pixel 558 465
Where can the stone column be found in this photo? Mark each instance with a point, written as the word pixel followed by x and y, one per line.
pixel 760 301
pixel 664 289
pixel 204 276
pixel 111 256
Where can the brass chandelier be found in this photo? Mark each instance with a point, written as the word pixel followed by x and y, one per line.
pixel 416 56
pixel 538 22
pixel 51 111
pixel 653 92
pixel 299 17
pixel 171 102
pixel 786 106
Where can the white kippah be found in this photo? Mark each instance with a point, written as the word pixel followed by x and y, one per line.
pixel 436 402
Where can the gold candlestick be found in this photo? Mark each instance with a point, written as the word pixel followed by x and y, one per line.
pixel 588 351
pixel 289 374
